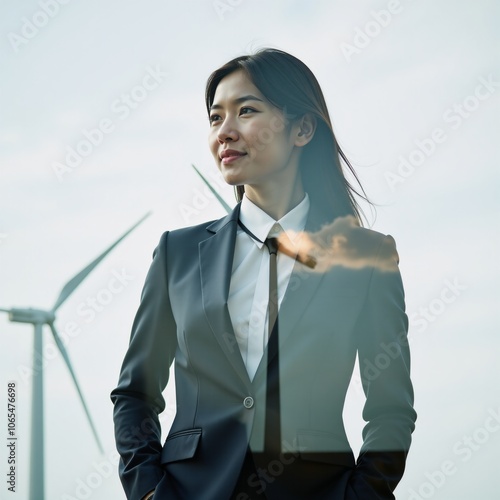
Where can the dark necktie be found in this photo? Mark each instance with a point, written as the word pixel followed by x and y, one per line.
pixel 272 429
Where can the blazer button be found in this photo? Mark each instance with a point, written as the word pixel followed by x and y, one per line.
pixel 248 402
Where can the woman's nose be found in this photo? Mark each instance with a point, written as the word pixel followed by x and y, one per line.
pixel 227 131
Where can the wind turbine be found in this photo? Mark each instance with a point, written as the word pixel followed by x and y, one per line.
pixel 38 318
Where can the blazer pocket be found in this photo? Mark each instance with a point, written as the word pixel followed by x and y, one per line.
pixel 323 447
pixel 180 445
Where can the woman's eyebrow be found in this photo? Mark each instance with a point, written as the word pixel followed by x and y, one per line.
pixel 238 100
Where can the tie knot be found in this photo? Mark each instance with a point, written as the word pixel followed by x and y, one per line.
pixel 272 245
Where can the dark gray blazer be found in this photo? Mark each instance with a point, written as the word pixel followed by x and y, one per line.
pixel 325 320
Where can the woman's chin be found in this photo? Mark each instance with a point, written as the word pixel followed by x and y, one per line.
pixel 232 180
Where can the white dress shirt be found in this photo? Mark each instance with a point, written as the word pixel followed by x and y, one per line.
pixel 249 287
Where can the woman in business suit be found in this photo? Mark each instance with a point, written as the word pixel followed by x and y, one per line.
pixel 205 305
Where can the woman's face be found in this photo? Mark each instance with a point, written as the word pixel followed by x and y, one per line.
pixel 248 137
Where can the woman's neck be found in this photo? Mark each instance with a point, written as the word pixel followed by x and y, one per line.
pixel 276 200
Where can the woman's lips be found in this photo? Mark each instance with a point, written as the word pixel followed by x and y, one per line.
pixel 233 158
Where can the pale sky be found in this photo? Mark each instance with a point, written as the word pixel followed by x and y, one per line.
pixel 413 89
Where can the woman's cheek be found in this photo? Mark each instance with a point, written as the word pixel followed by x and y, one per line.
pixel 253 147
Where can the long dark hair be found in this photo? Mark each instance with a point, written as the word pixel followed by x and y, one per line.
pixel 287 83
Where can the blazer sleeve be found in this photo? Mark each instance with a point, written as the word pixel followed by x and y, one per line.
pixel 144 375
pixel 384 361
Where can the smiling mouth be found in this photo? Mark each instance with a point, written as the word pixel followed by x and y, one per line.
pixel 231 159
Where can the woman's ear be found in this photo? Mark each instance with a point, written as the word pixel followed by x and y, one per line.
pixel 305 127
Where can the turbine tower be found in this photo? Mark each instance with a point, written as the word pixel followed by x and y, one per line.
pixel 38 318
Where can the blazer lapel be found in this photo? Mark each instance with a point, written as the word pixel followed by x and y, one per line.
pixel 216 261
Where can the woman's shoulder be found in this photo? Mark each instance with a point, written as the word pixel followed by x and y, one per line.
pixel 195 232
pixel 204 229
pixel 184 236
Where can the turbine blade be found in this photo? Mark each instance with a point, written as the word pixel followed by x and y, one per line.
pixel 4 310
pixel 65 356
pixel 70 286
pixel 216 194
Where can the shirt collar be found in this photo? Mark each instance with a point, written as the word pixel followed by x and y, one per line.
pixel 260 223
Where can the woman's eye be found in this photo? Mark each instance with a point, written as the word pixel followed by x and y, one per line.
pixel 243 111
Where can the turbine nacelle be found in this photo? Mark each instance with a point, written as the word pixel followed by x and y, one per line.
pixel 30 315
